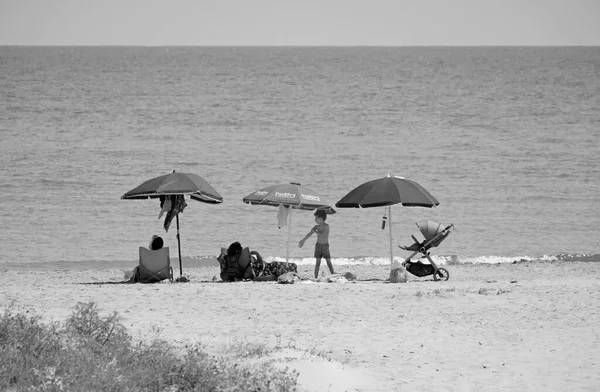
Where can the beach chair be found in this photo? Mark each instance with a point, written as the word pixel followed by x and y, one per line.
pixel 434 234
pixel 155 265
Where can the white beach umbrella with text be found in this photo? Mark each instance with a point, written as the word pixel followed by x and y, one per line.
pixel 293 196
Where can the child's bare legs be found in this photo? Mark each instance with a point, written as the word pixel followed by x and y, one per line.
pixel 317 266
pixel 330 266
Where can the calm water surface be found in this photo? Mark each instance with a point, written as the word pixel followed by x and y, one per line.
pixel 507 139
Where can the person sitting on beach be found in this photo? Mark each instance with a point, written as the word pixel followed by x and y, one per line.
pixel 322 244
pixel 156 243
pixel 235 263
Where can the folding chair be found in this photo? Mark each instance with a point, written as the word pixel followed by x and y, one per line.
pixel 155 265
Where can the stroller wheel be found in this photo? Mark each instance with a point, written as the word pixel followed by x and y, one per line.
pixel 441 274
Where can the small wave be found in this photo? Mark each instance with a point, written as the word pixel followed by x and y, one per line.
pixel 211 261
pixel 593 257
pixel 64 183
pixel 446 259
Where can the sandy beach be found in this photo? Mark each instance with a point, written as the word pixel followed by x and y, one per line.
pixel 531 326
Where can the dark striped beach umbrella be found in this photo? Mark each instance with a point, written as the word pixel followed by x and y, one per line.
pixel 388 191
pixel 175 186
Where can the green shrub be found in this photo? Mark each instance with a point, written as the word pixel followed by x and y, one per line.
pixel 86 324
pixel 93 353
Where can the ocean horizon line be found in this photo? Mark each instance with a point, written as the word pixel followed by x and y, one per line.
pixel 286 46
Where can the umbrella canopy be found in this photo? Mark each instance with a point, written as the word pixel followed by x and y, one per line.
pixel 293 196
pixel 388 191
pixel 174 186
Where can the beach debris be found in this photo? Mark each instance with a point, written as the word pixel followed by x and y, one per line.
pixel 128 275
pixel 336 278
pixel 288 278
pixel 513 281
pixel 398 274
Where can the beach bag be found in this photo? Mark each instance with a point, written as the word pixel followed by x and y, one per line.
pixel 270 271
pixel 419 269
pixel 278 268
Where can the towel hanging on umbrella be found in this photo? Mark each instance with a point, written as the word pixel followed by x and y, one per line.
pixel 175 204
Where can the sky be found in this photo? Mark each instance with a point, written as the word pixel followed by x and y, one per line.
pixel 300 22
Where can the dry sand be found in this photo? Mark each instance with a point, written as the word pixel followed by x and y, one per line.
pixel 508 327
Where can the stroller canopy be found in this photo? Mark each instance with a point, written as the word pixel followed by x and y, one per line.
pixel 433 232
pixel 430 228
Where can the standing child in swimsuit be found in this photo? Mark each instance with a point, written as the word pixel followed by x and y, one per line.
pixel 322 245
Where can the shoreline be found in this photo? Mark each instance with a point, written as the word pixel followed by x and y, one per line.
pixel 523 326
pixel 211 261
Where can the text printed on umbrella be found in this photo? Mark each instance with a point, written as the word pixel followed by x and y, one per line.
pixel 311 197
pixel 285 195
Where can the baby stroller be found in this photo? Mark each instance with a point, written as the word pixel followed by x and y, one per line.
pixel 434 234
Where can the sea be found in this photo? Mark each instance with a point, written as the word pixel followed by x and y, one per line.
pixel 506 138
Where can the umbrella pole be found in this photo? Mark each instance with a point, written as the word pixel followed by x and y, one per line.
pixel 390 227
pixel 179 245
pixel 287 245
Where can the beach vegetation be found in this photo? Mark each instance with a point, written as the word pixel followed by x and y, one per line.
pixel 311 352
pixel 90 352
pixel 488 291
pixel 438 291
pixel 250 349
pixel 316 352
pixel 502 291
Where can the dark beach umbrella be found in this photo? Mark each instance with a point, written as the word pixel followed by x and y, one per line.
pixel 388 191
pixel 292 195
pixel 175 186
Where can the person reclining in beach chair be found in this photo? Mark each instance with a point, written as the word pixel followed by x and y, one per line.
pixel 239 263
pixel 154 263
pixel 235 263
